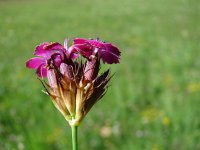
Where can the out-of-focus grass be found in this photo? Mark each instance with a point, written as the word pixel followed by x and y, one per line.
pixel 153 101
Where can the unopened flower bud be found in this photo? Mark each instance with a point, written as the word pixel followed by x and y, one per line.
pixel 51 76
pixel 66 71
pixel 91 68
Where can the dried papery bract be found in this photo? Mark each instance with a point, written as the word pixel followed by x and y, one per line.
pixel 74 88
pixel 53 89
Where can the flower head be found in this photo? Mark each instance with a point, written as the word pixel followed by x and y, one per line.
pixel 74 86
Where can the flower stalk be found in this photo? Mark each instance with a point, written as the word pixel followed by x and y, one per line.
pixel 74 129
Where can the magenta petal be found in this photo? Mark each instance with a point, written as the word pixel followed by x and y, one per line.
pixel 34 63
pixel 110 54
pixel 70 51
pixel 96 43
pixel 39 50
pixel 47 49
pixel 79 41
pixel 111 48
pixel 41 71
pixel 108 57
pixel 54 46
pixel 57 58
pixel 74 56
pixel 84 49
pixel 93 42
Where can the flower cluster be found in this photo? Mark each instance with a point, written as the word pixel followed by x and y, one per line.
pixel 74 85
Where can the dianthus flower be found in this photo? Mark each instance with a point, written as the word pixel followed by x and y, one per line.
pixel 74 85
pixel 105 51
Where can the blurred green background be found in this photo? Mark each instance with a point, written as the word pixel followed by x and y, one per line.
pixel 153 102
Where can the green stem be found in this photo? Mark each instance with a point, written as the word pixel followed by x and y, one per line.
pixel 74 137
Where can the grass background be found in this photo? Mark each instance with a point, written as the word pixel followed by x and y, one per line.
pixel 153 102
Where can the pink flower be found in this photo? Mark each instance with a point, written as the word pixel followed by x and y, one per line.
pixel 106 51
pixel 47 51
pixel 44 52
pixel 74 86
